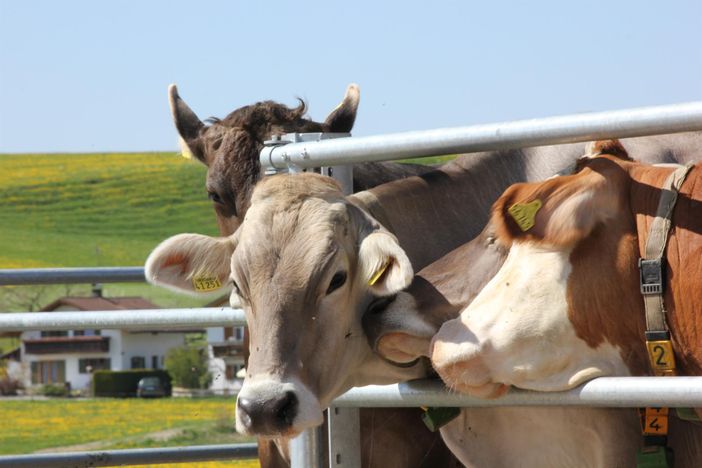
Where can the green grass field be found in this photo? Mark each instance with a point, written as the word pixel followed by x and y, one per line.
pixel 69 210
pixel 105 424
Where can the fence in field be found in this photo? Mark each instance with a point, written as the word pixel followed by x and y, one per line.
pixel 295 152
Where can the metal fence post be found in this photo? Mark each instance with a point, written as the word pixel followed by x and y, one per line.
pixel 344 437
pixel 306 449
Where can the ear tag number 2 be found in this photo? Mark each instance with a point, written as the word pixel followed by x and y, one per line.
pixel 205 283
pixel 524 214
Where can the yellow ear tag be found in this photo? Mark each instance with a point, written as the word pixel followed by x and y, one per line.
pixel 376 276
pixel 525 213
pixel 205 283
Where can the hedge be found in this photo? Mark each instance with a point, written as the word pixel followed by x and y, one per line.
pixel 121 384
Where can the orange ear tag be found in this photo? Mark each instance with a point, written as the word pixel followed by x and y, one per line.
pixel 376 276
pixel 525 213
pixel 206 283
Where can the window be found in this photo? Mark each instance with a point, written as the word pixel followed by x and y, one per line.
pixel 154 362
pixel 138 362
pixel 86 333
pixel 239 333
pixel 87 366
pixel 52 333
pixel 230 372
pixel 45 372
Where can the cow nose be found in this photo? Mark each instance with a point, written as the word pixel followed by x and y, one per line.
pixel 268 416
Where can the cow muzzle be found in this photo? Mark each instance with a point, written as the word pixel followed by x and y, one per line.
pixel 267 407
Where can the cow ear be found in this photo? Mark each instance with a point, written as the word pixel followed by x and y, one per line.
pixel 188 126
pixel 343 117
pixel 383 265
pixel 191 263
pixel 612 147
pixel 559 211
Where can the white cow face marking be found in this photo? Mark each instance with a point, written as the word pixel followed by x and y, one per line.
pixel 517 332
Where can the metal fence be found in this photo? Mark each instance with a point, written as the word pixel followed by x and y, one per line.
pixel 344 440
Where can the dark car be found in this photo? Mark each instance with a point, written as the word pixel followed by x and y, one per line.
pixel 150 387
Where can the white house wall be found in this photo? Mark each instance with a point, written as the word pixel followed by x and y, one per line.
pixel 147 345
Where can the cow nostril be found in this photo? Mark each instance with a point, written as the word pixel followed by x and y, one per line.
pixel 245 406
pixel 286 408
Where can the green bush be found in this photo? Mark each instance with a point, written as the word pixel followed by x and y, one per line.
pixel 54 390
pixel 188 367
pixel 120 384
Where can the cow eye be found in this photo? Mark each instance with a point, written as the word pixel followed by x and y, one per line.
pixel 337 281
pixel 214 196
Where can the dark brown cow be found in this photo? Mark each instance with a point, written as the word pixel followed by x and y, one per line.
pixel 230 148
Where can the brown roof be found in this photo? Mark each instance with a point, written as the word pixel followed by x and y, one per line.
pixel 94 303
pixel 101 303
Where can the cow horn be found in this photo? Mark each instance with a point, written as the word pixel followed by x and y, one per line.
pixel 186 122
pixel 343 117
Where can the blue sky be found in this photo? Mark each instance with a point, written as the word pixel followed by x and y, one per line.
pixel 92 76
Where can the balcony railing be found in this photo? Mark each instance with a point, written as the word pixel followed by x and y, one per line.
pixel 68 344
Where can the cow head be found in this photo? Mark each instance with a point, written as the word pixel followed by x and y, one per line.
pixel 230 147
pixel 401 328
pixel 304 265
pixel 550 319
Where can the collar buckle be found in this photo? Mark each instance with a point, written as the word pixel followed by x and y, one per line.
pixel 651 276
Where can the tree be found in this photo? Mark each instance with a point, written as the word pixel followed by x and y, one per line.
pixel 188 367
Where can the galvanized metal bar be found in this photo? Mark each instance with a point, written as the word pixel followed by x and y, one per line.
pixel 344 437
pixel 71 275
pixel 601 392
pixel 132 456
pixel 123 319
pixel 306 449
pixel 518 134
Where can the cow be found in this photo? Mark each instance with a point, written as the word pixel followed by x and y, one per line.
pixel 230 148
pixel 567 297
pixel 278 312
pixel 517 331
pixel 401 330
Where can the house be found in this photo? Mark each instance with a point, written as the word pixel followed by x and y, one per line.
pixel 226 358
pixel 60 357
pixel 225 348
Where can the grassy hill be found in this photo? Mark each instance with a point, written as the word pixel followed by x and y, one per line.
pixel 69 210
pixel 96 209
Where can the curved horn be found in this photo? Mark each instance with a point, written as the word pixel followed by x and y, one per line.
pixel 186 122
pixel 343 117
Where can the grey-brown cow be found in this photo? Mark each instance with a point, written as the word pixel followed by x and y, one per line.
pixel 230 149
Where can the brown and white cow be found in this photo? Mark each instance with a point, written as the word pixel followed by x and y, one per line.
pixel 401 330
pixel 565 307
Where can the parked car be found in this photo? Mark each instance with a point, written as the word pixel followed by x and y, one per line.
pixel 150 387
